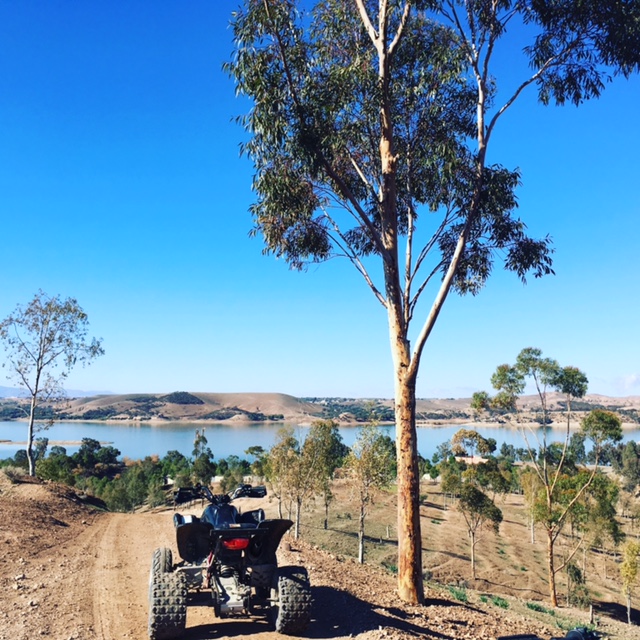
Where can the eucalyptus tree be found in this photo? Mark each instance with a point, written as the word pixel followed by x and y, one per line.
pixel 466 442
pixel 560 485
pixel 369 130
pixel 43 341
pixel 564 487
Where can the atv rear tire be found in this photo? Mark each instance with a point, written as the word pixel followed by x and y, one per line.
pixel 167 606
pixel 291 600
pixel 162 561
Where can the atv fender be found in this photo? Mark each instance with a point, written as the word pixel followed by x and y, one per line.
pixel 192 537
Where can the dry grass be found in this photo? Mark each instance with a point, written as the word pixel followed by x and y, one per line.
pixel 509 565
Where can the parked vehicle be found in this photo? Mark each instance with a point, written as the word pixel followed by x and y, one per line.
pixel 231 557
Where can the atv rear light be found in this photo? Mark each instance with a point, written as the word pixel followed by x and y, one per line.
pixel 236 544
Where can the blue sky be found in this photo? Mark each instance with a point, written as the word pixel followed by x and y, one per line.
pixel 121 185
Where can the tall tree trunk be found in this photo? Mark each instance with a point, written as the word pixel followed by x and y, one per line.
pixel 553 597
pixel 410 585
pixel 30 431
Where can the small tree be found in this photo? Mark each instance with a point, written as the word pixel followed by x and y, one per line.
pixel 277 463
pixel 531 485
pixel 43 342
pixel 293 470
pixel 203 468
pixel 324 445
pixel 259 456
pixel 479 512
pixel 369 467
pixel 466 442
pixel 629 571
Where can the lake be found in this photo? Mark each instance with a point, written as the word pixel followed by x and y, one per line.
pixel 137 440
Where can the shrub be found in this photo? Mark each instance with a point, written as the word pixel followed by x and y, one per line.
pixel 536 606
pixel 500 602
pixel 458 593
pixel 15 474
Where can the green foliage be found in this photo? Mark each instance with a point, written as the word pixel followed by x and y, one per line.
pixel 459 593
pixel 478 509
pixel 480 401
pixel 601 427
pixel 629 570
pixel 467 442
pixel 577 588
pixel 536 606
pixel 509 383
pixel 11 411
pixel 630 465
pixel 181 397
pixel 221 414
pixel 100 413
pixel 499 602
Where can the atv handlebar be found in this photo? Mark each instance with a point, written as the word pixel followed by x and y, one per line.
pixel 188 494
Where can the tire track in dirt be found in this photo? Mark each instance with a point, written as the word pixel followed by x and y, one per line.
pixel 121 572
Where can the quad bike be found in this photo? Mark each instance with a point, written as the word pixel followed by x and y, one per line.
pixel 230 557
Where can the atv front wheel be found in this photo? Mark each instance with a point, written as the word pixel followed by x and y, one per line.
pixel 290 600
pixel 167 606
pixel 162 561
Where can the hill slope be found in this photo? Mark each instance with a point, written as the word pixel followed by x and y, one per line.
pixel 255 407
pixel 70 573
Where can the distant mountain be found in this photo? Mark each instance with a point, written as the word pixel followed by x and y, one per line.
pixel 12 392
pixel 15 392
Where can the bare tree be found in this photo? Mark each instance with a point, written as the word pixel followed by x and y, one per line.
pixel 43 341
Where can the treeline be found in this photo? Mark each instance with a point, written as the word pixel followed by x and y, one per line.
pixel 124 485
pixel 373 411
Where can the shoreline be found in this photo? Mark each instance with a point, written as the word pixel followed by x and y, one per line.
pixel 306 420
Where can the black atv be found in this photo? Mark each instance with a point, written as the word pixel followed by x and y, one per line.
pixel 230 557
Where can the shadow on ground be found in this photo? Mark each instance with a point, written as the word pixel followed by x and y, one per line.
pixel 616 611
pixel 335 614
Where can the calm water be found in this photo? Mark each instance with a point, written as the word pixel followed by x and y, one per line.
pixel 140 440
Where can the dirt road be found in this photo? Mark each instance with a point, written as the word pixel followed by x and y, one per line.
pixel 94 585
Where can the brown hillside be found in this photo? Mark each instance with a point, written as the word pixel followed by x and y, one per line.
pixel 200 406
